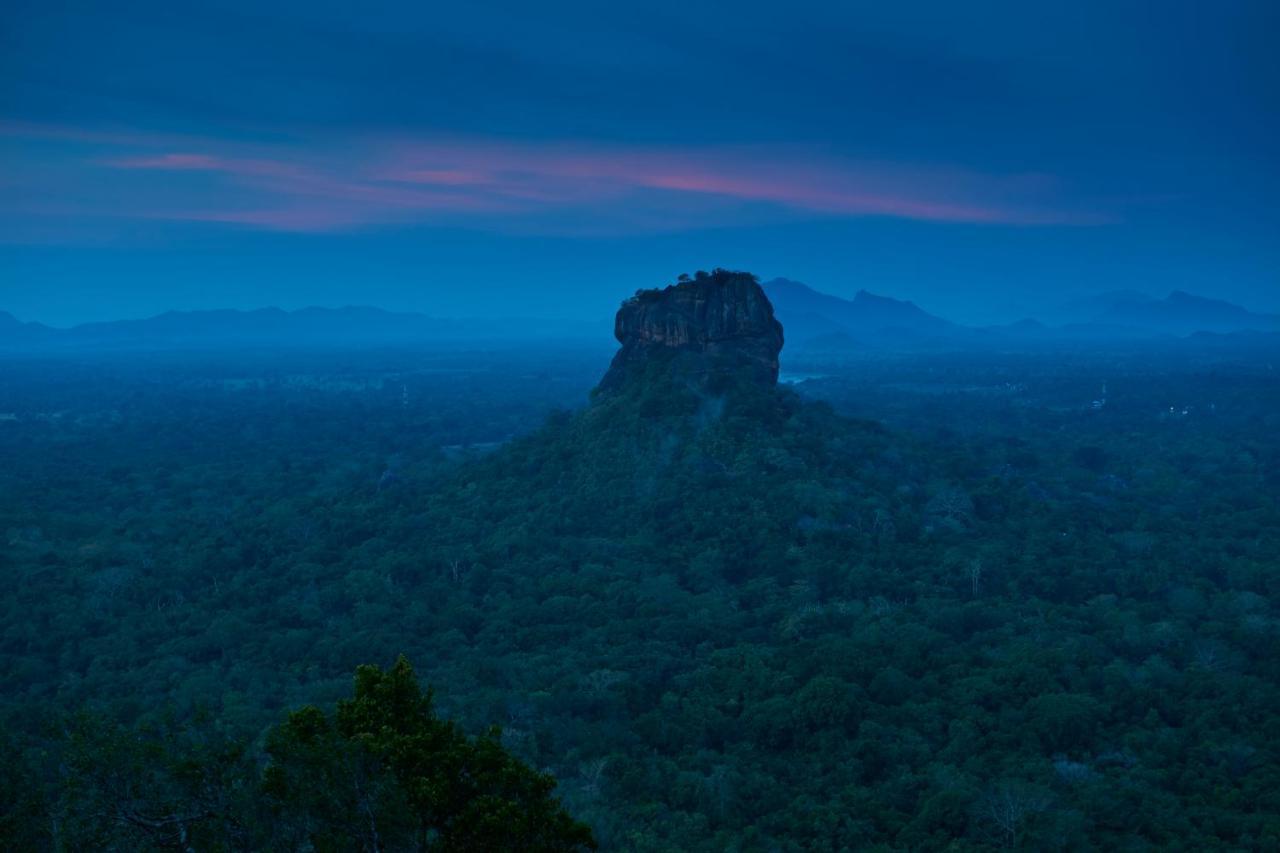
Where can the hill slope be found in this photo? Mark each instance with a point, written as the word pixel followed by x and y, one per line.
pixel 724 616
pixel 274 327
pixel 808 314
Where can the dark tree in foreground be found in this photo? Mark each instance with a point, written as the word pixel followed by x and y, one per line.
pixel 385 773
pixel 155 787
pixel 382 773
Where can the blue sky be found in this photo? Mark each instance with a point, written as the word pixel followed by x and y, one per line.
pixel 986 159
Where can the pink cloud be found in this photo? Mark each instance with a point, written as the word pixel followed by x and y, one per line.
pixel 448 177
pixel 185 162
pixel 793 179
pixel 816 198
pixel 335 185
pixel 312 219
pixel 179 162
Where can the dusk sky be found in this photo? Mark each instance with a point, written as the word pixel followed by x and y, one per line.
pixel 987 160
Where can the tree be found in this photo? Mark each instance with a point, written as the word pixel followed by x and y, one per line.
pixel 385 773
pixel 381 773
pixel 22 811
pixel 1006 810
pixel 1090 458
pixel 165 787
pixel 952 507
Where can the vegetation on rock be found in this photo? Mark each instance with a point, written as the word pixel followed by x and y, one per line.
pixel 979 615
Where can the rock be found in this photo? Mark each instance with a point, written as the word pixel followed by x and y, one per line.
pixel 717 325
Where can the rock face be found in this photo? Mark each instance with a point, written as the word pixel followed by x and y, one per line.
pixel 710 326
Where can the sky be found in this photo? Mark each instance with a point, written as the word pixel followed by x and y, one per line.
pixel 988 160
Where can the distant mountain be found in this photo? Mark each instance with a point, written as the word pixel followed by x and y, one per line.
pixel 1180 313
pixel 273 327
pixel 336 326
pixel 814 321
pixel 1087 309
pixel 13 330
pixel 808 315
pixel 1026 327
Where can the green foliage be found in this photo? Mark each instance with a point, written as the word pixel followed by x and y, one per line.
pixel 23 811
pixel 160 786
pixel 384 772
pixel 732 620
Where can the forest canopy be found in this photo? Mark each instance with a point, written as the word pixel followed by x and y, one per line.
pixel 933 604
pixel 380 772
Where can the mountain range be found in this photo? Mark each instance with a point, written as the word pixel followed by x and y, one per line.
pixel 813 321
pixel 1179 313
pixel 811 317
pixel 819 321
pixel 349 326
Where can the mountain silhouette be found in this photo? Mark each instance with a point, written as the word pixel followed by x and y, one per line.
pixel 817 321
pixel 275 327
pixel 1182 313
pixel 810 315
pixel 814 321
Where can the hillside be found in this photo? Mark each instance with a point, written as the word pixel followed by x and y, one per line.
pixel 721 614
pixel 1182 313
pixel 867 318
pixel 309 328
pixel 821 324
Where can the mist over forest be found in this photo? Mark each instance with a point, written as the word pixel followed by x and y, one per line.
pixel 913 591
pixel 507 427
